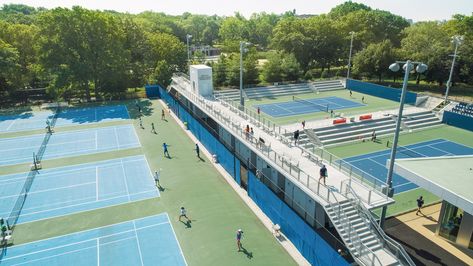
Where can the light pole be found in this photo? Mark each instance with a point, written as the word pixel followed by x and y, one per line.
pixel 352 33
pixel 242 50
pixel 188 37
pixel 457 40
pixel 408 67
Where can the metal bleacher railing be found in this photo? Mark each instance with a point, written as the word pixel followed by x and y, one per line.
pixel 328 195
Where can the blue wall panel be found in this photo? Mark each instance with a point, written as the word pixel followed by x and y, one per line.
pixel 307 241
pixel 380 91
pixel 152 91
pixel 458 120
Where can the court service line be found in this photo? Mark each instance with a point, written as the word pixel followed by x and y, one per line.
pixel 96 183
pixel 124 178
pixel 11 124
pixel 98 252
pixel 50 189
pixel 138 243
pixel 116 137
pixel 177 240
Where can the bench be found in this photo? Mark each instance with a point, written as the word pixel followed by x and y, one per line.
pixel 365 117
pixel 339 121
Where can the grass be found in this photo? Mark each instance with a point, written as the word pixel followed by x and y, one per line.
pixel 373 104
pixel 215 209
pixel 406 201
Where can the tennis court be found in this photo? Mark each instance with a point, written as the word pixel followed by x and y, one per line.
pixel 65 190
pixel 70 143
pixel 375 163
pixel 146 241
pixel 305 106
pixel 67 117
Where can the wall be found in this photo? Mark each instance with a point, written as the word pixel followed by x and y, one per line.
pixel 311 245
pixel 380 91
pixel 458 120
pixel 152 91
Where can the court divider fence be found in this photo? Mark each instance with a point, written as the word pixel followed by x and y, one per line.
pixel 380 91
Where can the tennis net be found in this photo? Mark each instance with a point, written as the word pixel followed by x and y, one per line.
pixel 20 201
pixel 321 107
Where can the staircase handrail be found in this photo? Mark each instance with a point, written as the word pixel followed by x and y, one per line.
pixel 353 236
pixel 395 248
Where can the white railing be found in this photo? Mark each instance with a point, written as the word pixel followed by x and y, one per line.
pixel 388 243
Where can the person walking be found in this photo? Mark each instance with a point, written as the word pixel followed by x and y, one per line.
pixel 363 99
pixel 296 136
pixel 153 130
pixel 247 131
pixel 323 173
pixel 183 213
pixel 351 93
pixel 197 150
pixel 252 134
pixel 420 204
pixel 303 124
pixel 141 123
pixel 373 135
pixel 163 116
pixel 165 150
pixel 156 178
pixel 239 234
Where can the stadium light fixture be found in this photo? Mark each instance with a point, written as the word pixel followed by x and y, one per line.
pixel 188 37
pixel 352 33
pixel 243 49
pixel 457 40
pixel 408 66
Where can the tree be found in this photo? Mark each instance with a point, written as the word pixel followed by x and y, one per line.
pixel 281 67
pixel 346 8
pixel 429 43
pixel 374 60
pixel 220 71
pixel 9 58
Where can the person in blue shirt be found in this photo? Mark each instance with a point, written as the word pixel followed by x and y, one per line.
pixel 165 149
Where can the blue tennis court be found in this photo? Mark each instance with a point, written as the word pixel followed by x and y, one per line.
pixel 375 163
pixel 67 117
pixel 70 143
pixel 299 108
pixel 65 190
pixel 146 241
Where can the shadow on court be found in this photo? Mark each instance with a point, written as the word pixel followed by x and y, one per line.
pixel 248 254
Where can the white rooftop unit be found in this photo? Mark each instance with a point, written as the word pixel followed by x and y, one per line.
pixel 201 80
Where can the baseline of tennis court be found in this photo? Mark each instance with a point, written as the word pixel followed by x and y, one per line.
pixel 70 143
pixel 147 241
pixel 65 190
pixel 375 163
pixel 67 117
pixel 314 105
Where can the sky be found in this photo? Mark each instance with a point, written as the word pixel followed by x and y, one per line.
pixel 417 10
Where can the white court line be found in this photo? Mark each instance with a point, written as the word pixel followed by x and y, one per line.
pixel 79 204
pixel 11 124
pixel 177 240
pixel 98 252
pixel 95 120
pixel 138 243
pixel 95 228
pixel 127 112
pixel 48 257
pixel 124 178
pixel 96 183
pixel 50 189
pixel 116 137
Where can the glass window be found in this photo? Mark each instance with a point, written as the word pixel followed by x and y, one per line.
pixel 450 222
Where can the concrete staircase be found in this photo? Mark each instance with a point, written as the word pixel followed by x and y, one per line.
pixel 355 131
pixel 328 85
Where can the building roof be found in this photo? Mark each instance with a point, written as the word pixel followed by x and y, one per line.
pixel 200 67
pixel 450 178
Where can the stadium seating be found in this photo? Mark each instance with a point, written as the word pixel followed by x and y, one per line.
pixel 281 90
pixel 463 109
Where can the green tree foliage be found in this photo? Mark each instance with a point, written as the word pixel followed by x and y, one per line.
pixel 9 66
pixel 281 67
pixel 346 8
pixel 428 42
pixel 374 60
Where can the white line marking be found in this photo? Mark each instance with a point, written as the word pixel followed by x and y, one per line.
pixel 116 137
pixel 175 236
pixel 98 252
pixel 11 124
pixel 96 183
pixel 124 178
pixel 138 243
pixel 50 189
pixel 95 109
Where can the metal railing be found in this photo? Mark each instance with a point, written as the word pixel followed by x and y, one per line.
pixel 363 253
pixel 316 154
pixel 388 243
